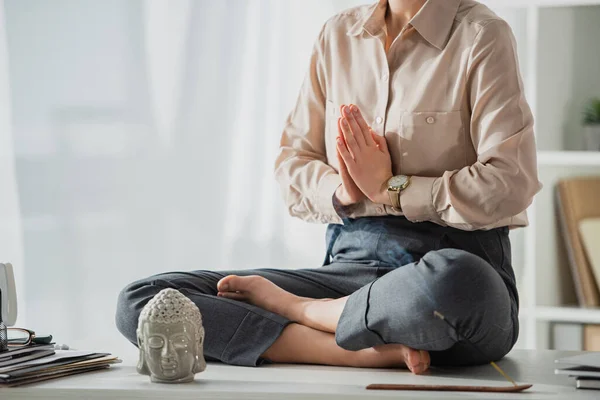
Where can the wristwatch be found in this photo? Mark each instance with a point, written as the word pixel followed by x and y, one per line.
pixel 396 184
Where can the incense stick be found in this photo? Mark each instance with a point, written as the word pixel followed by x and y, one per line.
pixel 504 374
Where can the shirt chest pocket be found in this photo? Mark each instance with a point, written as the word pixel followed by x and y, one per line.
pixel 431 143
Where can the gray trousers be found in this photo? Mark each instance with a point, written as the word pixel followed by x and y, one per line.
pixel 395 272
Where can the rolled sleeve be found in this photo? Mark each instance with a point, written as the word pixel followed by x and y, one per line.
pixel 327 187
pixel 503 180
pixel 417 200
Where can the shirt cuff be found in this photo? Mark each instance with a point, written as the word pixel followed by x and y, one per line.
pixel 417 200
pixel 345 212
pixel 327 187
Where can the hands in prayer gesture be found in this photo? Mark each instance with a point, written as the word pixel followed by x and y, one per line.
pixel 365 162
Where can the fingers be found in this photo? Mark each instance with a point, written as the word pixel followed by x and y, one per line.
pixel 356 130
pixel 349 138
pixel 365 129
pixel 380 141
pixel 344 154
pixel 356 133
pixel 343 170
pixel 340 132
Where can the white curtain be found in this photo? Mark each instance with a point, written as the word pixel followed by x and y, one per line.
pixel 11 245
pixel 145 133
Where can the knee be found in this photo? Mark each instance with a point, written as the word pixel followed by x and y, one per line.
pixel 461 280
pixel 129 306
pixel 468 290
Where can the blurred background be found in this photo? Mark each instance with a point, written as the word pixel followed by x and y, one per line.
pixel 139 136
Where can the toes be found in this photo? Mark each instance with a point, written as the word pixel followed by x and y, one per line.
pixel 232 295
pixel 423 364
pixel 417 361
pixel 425 359
pixel 224 285
pixel 413 358
pixel 235 283
pixel 232 283
pixel 231 286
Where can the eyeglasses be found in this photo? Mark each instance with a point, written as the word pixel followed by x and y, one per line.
pixel 20 337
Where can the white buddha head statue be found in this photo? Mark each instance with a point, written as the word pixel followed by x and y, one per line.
pixel 170 338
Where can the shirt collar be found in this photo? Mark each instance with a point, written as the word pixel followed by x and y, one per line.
pixel 372 21
pixel 433 21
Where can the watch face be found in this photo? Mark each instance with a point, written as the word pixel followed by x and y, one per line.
pixel 397 181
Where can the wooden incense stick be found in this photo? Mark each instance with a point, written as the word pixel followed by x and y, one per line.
pixel 448 388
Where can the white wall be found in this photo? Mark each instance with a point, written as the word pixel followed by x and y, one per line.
pixel 568 73
pixel 106 198
pixel 11 245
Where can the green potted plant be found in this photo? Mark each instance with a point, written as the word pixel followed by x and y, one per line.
pixel 591 122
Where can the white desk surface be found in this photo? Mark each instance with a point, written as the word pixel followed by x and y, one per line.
pixel 312 382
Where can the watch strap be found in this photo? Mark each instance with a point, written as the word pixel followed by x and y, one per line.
pixel 394 197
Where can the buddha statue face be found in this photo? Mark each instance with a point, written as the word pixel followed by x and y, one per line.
pixel 170 338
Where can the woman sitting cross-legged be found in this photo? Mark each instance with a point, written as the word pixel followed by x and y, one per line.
pixel 412 139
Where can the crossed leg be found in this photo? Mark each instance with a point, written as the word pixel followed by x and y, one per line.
pixel 241 333
pixel 345 314
pixel 311 339
pixel 385 321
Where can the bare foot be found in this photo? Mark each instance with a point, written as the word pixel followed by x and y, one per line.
pixel 393 355
pixel 268 296
pixel 320 314
pixel 262 293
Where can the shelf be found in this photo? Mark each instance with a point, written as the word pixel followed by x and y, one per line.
pixel 568 314
pixel 525 312
pixel 569 158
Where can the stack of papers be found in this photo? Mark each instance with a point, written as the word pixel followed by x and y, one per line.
pixel 585 368
pixel 22 354
pixel 43 364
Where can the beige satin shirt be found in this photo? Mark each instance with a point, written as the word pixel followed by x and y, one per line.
pixel 449 99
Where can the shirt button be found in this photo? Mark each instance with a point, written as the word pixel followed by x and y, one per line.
pixel 430 120
pixel 385 77
pixel 379 120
